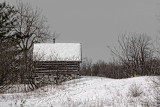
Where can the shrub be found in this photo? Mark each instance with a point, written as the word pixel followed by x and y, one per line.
pixel 135 90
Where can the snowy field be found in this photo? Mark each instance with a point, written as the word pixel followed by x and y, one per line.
pixel 87 92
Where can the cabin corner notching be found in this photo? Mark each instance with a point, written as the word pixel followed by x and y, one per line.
pixel 56 62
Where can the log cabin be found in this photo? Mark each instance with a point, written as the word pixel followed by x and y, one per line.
pixel 56 62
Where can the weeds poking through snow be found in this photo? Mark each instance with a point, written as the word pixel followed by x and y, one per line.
pixel 135 90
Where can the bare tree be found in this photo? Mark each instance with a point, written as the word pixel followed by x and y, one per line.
pixel 31 27
pixel 135 52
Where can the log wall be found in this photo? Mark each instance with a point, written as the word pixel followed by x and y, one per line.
pixel 56 71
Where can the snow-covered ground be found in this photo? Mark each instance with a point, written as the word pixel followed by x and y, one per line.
pixel 86 92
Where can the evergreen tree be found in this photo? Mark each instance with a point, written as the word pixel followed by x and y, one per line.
pixel 7 21
pixel 8 50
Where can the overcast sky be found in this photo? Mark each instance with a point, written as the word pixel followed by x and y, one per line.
pixel 98 23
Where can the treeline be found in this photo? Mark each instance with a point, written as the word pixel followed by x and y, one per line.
pixel 20 27
pixel 135 56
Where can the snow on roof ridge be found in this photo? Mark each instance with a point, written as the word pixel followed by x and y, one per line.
pixel 60 43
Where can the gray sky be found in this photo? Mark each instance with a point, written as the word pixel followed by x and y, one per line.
pixel 98 23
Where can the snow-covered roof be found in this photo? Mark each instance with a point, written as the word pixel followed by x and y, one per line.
pixel 57 52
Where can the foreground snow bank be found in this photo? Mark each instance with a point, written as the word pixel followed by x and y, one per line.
pixel 87 92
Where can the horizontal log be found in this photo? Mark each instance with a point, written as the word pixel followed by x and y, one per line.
pixel 51 72
pixel 62 68
pixel 54 66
